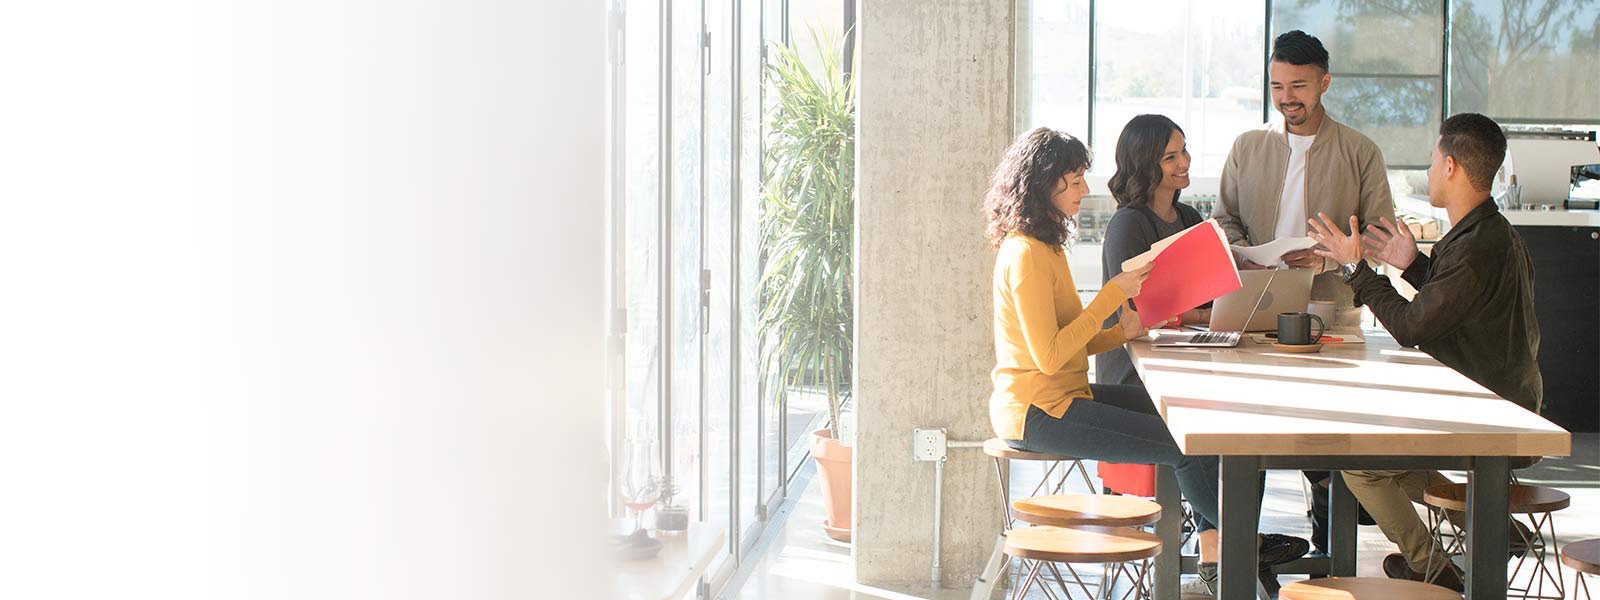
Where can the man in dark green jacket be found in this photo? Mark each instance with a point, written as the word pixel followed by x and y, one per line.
pixel 1473 311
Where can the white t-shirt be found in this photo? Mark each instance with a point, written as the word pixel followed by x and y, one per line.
pixel 1292 206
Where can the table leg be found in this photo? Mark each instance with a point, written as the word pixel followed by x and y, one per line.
pixel 1341 528
pixel 1241 486
pixel 1488 512
pixel 1169 563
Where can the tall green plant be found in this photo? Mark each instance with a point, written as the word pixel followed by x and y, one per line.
pixel 808 223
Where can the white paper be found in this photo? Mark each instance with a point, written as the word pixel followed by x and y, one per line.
pixel 1272 252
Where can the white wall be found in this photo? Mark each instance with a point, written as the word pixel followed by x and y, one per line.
pixel 302 299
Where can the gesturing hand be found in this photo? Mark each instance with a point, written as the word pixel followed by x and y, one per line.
pixel 1341 248
pixel 1390 243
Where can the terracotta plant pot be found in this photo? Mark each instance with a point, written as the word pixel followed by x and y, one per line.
pixel 834 462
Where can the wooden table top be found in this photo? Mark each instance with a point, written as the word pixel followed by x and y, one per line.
pixel 1369 399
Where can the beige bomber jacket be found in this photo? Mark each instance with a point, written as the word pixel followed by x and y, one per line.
pixel 1345 176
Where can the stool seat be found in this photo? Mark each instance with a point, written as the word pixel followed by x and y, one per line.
pixel 1072 510
pixel 1364 588
pixel 1583 556
pixel 1525 499
pixel 1081 544
pixel 998 448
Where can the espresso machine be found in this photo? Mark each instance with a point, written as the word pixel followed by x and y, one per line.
pixel 1543 168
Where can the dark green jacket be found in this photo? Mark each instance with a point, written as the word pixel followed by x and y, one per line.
pixel 1474 306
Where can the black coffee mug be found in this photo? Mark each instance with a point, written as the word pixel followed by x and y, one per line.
pixel 1294 328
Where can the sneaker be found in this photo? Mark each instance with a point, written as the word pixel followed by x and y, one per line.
pixel 1518 539
pixel 1195 588
pixel 1206 583
pixel 1269 581
pixel 1277 549
pixel 1396 567
pixel 1208 578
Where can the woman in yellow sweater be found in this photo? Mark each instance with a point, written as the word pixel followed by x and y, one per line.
pixel 1043 336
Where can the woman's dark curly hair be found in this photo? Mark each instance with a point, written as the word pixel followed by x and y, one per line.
pixel 1019 193
pixel 1139 151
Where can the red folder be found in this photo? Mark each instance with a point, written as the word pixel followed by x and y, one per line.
pixel 1192 267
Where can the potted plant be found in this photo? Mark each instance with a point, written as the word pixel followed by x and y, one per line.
pixel 807 229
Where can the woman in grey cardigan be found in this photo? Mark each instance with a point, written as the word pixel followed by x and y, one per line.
pixel 1152 170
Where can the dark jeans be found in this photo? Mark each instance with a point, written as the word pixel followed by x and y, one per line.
pixel 1121 425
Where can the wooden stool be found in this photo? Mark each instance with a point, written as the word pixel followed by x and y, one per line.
pixel 1584 558
pixel 1539 503
pixel 1120 546
pixel 1002 453
pixel 1363 588
pixel 1075 510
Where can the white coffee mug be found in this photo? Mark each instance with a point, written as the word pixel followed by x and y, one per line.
pixel 1327 309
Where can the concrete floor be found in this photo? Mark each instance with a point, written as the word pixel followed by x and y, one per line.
pixel 797 561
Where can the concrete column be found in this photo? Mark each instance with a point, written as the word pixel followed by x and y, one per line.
pixel 935 117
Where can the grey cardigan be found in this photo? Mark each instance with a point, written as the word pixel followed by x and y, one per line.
pixel 1131 232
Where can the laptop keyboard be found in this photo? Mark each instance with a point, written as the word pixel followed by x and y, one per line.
pixel 1214 337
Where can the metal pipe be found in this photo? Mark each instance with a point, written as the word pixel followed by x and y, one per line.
pixel 938 505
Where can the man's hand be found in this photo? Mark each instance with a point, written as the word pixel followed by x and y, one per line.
pixel 1390 243
pixel 1302 259
pixel 1131 324
pixel 1246 265
pixel 1343 249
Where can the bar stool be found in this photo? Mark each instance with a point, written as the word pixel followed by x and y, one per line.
pixel 1115 547
pixel 1089 510
pixel 1538 502
pixel 1584 558
pixel 1075 510
pixel 1364 588
pixel 1003 453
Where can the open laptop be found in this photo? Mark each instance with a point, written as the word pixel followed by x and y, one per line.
pixel 1252 307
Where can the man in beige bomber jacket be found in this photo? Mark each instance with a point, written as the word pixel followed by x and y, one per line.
pixel 1286 172
pixel 1279 176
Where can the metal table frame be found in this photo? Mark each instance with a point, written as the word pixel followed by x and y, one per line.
pixel 1488 510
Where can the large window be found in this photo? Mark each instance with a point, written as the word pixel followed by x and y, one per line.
pixel 1526 60
pixel 1195 61
pixel 1387 63
pixel 1399 67
pixel 1053 56
pixel 687 110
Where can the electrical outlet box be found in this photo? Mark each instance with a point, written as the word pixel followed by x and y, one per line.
pixel 927 444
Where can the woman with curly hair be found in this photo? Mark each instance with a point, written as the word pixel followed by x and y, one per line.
pixel 1043 334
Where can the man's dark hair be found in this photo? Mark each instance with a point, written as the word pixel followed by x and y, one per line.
pixel 1298 48
pixel 1477 144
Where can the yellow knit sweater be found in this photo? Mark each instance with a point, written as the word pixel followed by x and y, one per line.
pixel 1043 335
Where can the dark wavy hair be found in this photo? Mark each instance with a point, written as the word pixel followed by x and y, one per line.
pixel 1139 149
pixel 1020 190
pixel 1298 48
